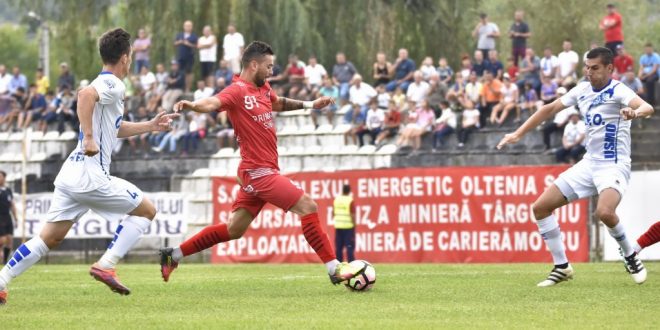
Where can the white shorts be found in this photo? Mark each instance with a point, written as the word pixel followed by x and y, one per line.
pixel 111 201
pixel 588 178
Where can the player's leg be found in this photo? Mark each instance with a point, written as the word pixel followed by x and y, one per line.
pixel 350 245
pixel 650 237
pixel 339 244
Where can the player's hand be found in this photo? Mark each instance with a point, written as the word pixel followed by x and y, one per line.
pixel 510 138
pixel 628 113
pixel 182 105
pixel 163 121
pixel 323 102
pixel 89 146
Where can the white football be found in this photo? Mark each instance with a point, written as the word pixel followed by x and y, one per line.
pixel 365 278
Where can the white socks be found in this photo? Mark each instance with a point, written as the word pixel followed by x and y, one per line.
pixel 549 229
pixel 127 234
pixel 332 266
pixel 25 256
pixel 619 234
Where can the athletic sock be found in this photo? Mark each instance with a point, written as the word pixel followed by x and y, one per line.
pixel 25 256
pixel 206 238
pixel 6 251
pixel 332 266
pixel 549 229
pixel 177 254
pixel 317 238
pixel 127 234
pixel 650 237
pixel 619 234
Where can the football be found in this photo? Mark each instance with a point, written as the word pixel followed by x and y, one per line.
pixel 366 277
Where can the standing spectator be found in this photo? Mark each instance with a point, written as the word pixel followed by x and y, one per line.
pixel 196 132
pixel 208 52
pixel 141 47
pixel 66 78
pixel 469 123
pixel 390 124
pixel 494 64
pixel 486 33
pixel 186 43
pixel 418 90
pixel 332 91
pixel 529 70
pixel 343 213
pixel 444 71
pixel 175 85
pixel 479 64
pixel 7 218
pixel 612 26
pixel 519 33
pixel 403 72
pixel 649 72
pixel 508 102
pixel 573 141
pixel 342 74
pixel 225 72
pixel 42 81
pixel 315 73
pixel 557 124
pixel 512 69
pixel 491 93
pixel 444 126
pixel 17 80
pixel 622 62
pixel 568 61
pixel 4 80
pixel 549 64
pixel 295 75
pixel 383 70
pixel 373 123
pixel 427 68
pixel 633 83
pixel 202 91
pixel 232 45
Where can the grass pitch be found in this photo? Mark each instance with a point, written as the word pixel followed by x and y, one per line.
pixel 301 297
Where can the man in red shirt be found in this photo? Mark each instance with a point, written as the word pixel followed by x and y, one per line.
pixel 622 62
pixel 249 102
pixel 612 26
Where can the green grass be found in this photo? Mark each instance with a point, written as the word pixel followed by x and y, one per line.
pixel 301 297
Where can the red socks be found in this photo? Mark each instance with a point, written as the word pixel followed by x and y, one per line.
pixel 316 237
pixel 650 237
pixel 205 239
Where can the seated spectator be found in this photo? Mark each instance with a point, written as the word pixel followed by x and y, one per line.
pixel 175 85
pixel 314 75
pixel 403 72
pixel 512 69
pixel 466 67
pixel 141 116
pixel 161 78
pixel 383 70
pixel 549 64
pixel 356 117
pixel 558 123
pixel 42 82
pixel 220 84
pixel 342 74
pixel 419 89
pixel 457 90
pixel 373 125
pixel 508 101
pixel 529 70
pixel 196 132
pixel 622 62
pixel 202 91
pixel 399 98
pixel 383 98
pixel 179 128
pixel 412 134
pixel 390 124
pixel 148 82
pixel 444 71
pixel 295 77
pixel 224 71
pixel 17 80
pixel 529 100
pixel 8 111
pixel 444 126
pixel 649 72
pixel 63 111
pixel 548 90
pixel 494 65
pixel 329 90
pixel 573 141
pixel 226 131
pixel 567 62
pixel 491 93
pixel 633 82
pixel 479 64
pixel 469 123
pixel 35 106
pixel 361 94
pixel 473 88
pixel 427 68
pixel 437 90
pixel 276 80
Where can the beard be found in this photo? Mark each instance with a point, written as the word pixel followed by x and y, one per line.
pixel 259 81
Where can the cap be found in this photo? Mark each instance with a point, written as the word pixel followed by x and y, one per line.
pixel 562 90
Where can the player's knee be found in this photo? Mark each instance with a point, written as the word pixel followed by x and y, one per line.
pixel 307 205
pixel 540 210
pixel 52 241
pixel 235 231
pixel 605 213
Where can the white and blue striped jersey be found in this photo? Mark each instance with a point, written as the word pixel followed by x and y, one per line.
pixel 81 173
pixel 608 134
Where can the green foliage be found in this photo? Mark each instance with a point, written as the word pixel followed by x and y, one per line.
pixel 18 49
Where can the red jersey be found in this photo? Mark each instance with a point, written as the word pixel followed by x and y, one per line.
pixel 250 110
pixel 615 33
pixel 623 63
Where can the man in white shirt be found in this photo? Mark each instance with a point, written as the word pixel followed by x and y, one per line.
pixel 549 64
pixel 232 45
pixel 361 93
pixel 607 106
pixel 419 89
pixel 573 141
pixel 85 183
pixel 202 91
pixel 208 52
pixel 568 61
pixel 314 75
pixel 4 79
pixel 486 33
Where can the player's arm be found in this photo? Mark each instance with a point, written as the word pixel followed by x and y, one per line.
pixel 87 98
pixel 205 105
pixel 545 113
pixel 286 104
pixel 637 108
pixel 162 122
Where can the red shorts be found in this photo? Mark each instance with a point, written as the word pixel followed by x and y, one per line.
pixel 275 189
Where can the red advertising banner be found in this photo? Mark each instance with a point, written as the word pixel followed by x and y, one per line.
pixel 449 214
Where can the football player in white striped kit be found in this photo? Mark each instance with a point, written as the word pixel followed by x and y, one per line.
pixel 85 183
pixel 607 107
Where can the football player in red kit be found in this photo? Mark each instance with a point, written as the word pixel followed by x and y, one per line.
pixel 249 102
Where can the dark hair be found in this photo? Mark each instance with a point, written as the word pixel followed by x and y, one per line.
pixel 444 103
pixel 255 51
pixel 346 189
pixel 605 55
pixel 4 174
pixel 568 40
pixel 483 15
pixel 113 44
pixel 648 44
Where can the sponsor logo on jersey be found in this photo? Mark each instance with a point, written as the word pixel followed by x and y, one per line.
pixel 609 145
pixel 109 83
pixel 118 122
